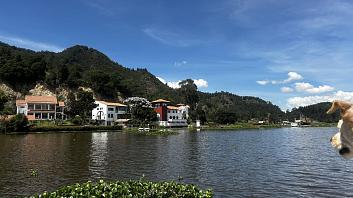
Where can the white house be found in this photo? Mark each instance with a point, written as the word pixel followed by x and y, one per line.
pixel 108 113
pixel 177 115
pixel 171 116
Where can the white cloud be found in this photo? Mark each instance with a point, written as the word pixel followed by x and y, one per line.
pixel 171 38
pixel 29 44
pixel 200 83
pixel 262 82
pixel 309 100
pixel 286 90
pixel 309 88
pixel 161 79
pixel 180 63
pixel 292 76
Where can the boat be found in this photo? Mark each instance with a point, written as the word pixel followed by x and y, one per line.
pixel 294 124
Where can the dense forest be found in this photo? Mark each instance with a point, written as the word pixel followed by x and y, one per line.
pixel 22 69
pixel 315 112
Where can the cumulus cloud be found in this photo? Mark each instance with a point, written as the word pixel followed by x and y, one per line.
pixel 292 76
pixel 286 90
pixel 309 88
pixel 200 83
pixel 262 82
pixel 309 100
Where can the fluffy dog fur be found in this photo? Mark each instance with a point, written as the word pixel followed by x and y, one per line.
pixel 343 140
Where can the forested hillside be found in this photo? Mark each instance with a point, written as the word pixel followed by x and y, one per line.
pixel 316 112
pixel 78 66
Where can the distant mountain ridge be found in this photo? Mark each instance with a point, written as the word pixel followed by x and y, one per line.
pixel 22 69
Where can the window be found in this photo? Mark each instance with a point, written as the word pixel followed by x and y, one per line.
pixel 177 117
pixel 168 111
pixel 44 116
pixel 45 106
pixel 51 107
pixel 30 106
pixel 170 117
pixel 110 109
pixel 38 116
pixel 51 116
pixel 38 107
pixel 173 117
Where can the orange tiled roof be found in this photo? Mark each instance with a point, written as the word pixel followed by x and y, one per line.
pixel 160 100
pixel 112 104
pixel 20 102
pixel 41 99
pixel 61 104
pixel 173 108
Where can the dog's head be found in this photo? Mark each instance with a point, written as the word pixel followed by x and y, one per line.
pixel 343 140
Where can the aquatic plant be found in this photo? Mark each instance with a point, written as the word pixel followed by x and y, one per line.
pixel 144 189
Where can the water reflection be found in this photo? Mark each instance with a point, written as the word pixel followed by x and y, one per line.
pixel 98 155
pixel 257 163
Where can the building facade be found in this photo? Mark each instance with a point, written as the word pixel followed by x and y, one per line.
pixel 171 116
pixel 109 113
pixel 41 108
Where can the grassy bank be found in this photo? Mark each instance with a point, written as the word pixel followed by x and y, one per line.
pixel 143 189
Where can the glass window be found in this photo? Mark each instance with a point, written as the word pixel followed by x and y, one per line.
pixel 44 116
pixel 110 109
pixel 170 117
pixel 51 116
pixel 30 106
pixel 51 107
pixel 38 107
pixel 45 106
pixel 38 115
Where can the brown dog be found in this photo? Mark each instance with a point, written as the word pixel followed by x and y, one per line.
pixel 343 140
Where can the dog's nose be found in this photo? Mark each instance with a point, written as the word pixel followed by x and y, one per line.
pixel 343 151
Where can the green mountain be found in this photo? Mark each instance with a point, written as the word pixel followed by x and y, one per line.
pixel 22 69
pixel 315 112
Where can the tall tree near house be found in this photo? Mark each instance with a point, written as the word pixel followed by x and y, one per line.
pixel 141 111
pixel 81 105
pixel 188 90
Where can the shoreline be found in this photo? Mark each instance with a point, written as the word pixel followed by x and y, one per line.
pixel 155 131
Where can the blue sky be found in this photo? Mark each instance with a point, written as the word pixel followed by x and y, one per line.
pixel 291 53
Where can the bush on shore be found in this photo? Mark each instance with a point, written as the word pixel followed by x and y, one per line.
pixel 140 188
pixel 18 123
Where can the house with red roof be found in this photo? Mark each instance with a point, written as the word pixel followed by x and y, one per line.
pixel 41 108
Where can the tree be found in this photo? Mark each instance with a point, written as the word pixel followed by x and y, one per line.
pixel 188 90
pixel 141 111
pixel 81 105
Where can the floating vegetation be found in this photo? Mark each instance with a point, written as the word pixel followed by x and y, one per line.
pixel 144 189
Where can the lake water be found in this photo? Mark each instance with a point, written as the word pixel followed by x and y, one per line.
pixel 286 162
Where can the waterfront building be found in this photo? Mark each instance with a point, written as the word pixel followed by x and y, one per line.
pixel 171 116
pixel 109 113
pixel 41 108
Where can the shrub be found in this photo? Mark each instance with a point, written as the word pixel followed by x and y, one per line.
pixel 140 188
pixel 18 123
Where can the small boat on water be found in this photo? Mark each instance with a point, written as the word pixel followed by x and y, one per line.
pixel 294 124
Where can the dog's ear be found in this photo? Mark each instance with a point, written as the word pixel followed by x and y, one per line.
pixel 337 104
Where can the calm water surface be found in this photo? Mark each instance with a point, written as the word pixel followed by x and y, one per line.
pixel 288 162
